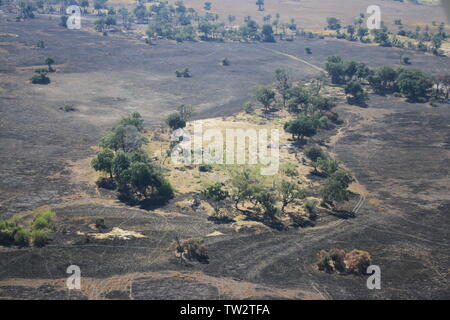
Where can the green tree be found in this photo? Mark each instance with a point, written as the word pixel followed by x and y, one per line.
pixel 298 98
pixel 301 127
pixel 266 201
pixel 260 4
pixel 49 61
pixel 207 6
pixel 265 95
pixel 267 33
pixel 135 119
pixel 314 154
pixel 144 176
pixel 290 192
pixel 333 23
pixel 40 77
pixel 104 161
pixel 175 121
pixel 215 195
pixel 283 84
pixel 414 84
pixel 357 93
pixel 335 189
pixel 336 69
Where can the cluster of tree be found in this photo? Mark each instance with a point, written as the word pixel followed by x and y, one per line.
pixel 339 260
pixel 185 73
pixel 40 76
pixel 178 119
pixel 386 38
pixel 104 23
pixel 26 10
pixel 414 84
pixel 313 110
pixel 247 189
pixel 335 188
pixel 128 166
pixel 295 97
pixel 40 233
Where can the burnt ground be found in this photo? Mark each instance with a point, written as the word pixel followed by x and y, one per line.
pixel 398 151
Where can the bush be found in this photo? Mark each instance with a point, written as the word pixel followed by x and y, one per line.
pixel 248 108
pixel 289 169
pixel 193 249
pixel 22 237
pixel 175 121
pixel 205 168
pixel 185 73
pixel 7 232
pixel 40 77
pixel 100 223
pixel 311 208
pixel 332 260
pixel 40 237
pixel 165 190
pixel 44 220
pixel 357 261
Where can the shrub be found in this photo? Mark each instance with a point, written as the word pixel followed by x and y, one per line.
pixel 165 190
pixel 248 108
pixel 175 121
pixel 7 232
pixel 44 220
pixel 22 237
pixel 289 169
pixel 311 207
pixel 100 223
pixel 332 260
pixel 193 249
pixel 40 77
pixel 225 62
pixel 205 168
pixel 357 261
pixel 40 237
pixel 63 21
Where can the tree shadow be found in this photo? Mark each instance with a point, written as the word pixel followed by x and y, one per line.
pixel 221 220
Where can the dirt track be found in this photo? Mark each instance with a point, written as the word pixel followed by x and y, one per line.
pixel 398 151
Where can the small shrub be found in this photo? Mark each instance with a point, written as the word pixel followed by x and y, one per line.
pixel 357 261
pixel 289 169
pixel 100 223
pixel 205 168
pixel 311 208
pixel 22 237
pixel 40 237
pixel 194 249
pixel 165 190
pixel 106 183
pixel 248 108
pixel 338 260
pixel 44 220
pixel 40 77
